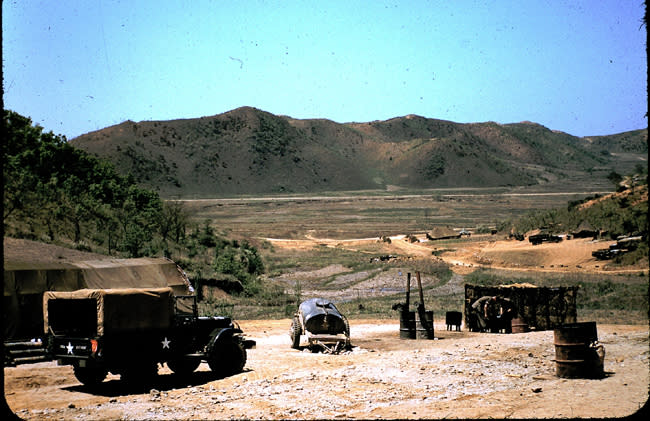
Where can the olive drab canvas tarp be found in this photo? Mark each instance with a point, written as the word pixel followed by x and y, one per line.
pixel 121 310
pixel 441 233
pixel 133 273
pixel 25 282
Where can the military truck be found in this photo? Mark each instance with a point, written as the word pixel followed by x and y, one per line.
pixel 543 237
pixel 130 331
pixel 318 325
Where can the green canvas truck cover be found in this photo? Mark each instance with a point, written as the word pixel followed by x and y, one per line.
pixel 31 268
pixel 122 310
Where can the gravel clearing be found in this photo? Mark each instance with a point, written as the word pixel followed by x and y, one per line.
pixel 457 375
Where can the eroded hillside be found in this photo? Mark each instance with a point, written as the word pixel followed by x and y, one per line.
pixel 249 151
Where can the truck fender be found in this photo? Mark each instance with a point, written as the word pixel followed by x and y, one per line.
pixel 220 335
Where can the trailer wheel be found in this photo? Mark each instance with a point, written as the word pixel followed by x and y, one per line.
pixel 227 358
pixel 90 375
pixel 296 331
pixel 347 331
pixel 183 366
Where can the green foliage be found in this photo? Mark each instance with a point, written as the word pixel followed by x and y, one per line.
pixel 57 193
pixel 615 178
pixel 435 166
pixel 273 137
pixel 240 260
pixel 622 214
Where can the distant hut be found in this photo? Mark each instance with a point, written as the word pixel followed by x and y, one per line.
pixel 585 230
pixel 540 308
pixel 442 233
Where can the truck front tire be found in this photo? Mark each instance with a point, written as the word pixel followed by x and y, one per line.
pixel 227 358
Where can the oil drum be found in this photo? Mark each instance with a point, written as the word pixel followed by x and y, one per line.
pixel 406 324
pixel 424 328
pixel 519 326
pixel 577 352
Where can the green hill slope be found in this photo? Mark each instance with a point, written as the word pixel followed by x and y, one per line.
pixel 249 151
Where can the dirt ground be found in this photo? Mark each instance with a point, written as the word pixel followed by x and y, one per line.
pixel 468 254
pixel 456 375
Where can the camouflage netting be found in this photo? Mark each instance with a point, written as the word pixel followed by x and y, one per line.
pixel 25 284
pixel 541 308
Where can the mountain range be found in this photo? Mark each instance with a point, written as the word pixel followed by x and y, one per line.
pixel 250 151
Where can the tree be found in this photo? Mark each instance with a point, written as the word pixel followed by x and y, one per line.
pixel 615 178
pixel 57 191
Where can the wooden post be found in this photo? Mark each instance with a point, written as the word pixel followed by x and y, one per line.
pixel 408 290
pixel 417 274
pixel 424 326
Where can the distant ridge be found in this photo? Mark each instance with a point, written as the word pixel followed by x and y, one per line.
pixel 250 151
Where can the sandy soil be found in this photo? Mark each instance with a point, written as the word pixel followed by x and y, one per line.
pixel 457 375
pixel 466 255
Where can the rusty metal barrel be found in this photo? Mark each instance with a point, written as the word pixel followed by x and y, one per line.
pixel 424 327
pixel 406 324
pixel 518 325
pixel 577 353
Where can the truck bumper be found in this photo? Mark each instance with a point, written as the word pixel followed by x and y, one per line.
pixel 249 344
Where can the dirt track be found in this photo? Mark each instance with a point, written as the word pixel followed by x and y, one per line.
pixel 458 375
pixel 465 256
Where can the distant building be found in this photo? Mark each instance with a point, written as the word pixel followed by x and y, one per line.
pixel 585 230
pixel 442 233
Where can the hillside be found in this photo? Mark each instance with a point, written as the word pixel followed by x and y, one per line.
pixel 249 151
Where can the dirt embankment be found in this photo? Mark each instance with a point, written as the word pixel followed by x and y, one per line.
pixel 457 375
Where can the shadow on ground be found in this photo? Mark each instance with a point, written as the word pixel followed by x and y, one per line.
pixel 162 382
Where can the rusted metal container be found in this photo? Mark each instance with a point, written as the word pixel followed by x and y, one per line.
pixel 406 324
pixel 577 352
pixel 424 325
pixel 519 326
pixel 453 320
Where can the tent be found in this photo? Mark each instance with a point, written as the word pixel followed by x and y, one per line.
pixel 585 230
pixel 25 283
pixel 442 233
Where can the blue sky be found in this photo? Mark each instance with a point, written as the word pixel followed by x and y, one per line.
pixel 575 66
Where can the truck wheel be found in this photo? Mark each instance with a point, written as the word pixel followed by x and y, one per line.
pixel 183 367
pixel 90 376
pixel 227 358
pixel 296 331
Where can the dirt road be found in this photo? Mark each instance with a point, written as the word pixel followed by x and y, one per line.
pixel 457 375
